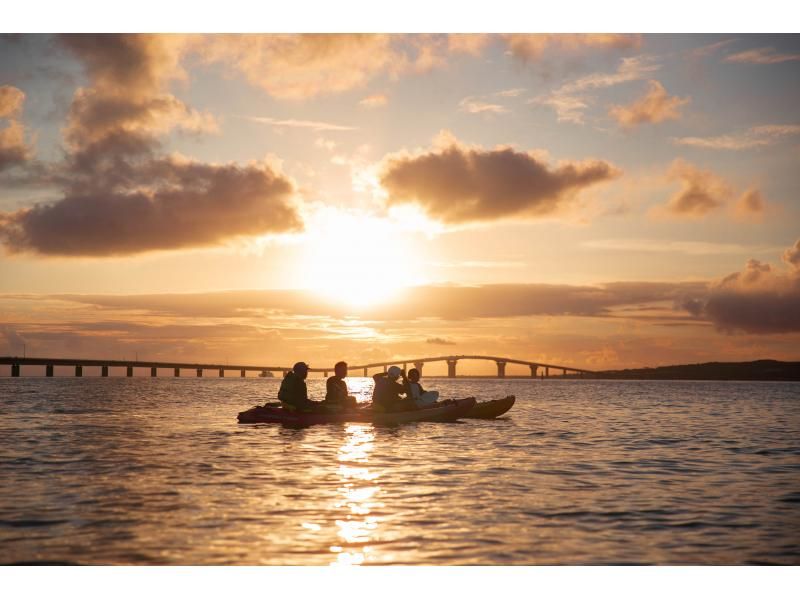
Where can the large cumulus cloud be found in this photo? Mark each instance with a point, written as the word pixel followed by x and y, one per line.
pixel 120 193
pixel 760 299
pixel 456 183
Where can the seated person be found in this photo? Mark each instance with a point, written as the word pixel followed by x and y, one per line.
pixel 336 396
pixel 386 396
pixel 419 395
pixel 293 393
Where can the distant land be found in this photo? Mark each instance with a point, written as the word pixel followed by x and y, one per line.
pixel 763 369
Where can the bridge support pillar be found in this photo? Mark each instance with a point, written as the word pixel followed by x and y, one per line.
pixel 546 372
pixel 325 375
pixel 104 371
pixel 243 374
pixel 405 367
pixel 129 371
pixel 177 372
pixel 15 370
pixel 501 369
pixel 418 365
pixel 385 369
pixel 533 370
pixel 451 368
pixel 48 371
pixel 153 372
pixel 263 373
pixel 78 371
pixel 221 373
pixel 563 372
pixel 199 372
pixel 365 373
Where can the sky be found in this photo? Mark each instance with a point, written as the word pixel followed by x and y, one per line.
pixel 594 200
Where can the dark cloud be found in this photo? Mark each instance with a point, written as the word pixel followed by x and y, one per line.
pixel 758 300
pixel 457 183
pixel 120 195
pixel 438 302
pixel 187 204
pixel 438 341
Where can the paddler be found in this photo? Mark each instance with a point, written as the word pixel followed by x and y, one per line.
pixel 293 393
pixel 419 395
pixel 386 395
pixel 336 396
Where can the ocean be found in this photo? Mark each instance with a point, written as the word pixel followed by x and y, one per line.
pixel 133 471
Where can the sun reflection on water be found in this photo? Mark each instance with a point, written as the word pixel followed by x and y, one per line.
pixel 357 497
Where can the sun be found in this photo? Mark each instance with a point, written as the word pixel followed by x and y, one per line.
pixel 358 259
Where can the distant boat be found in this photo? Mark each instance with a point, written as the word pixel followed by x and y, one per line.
pixel 266 374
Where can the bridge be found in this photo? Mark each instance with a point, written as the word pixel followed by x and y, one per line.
pixel 542 369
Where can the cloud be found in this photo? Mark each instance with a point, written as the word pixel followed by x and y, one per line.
pixel 474 106
pixel 468 43
pixel 300 124
pixel 757 300
pixel 654 107
pixel 792 256
pixel 439 302
pixel 119 195
pixel 11 100
pixel 14 150
pixel 438 341
pixel 455 183
pixel 710 49
pixel 759 136
pixel 374 101
pixel 701 191
pixel 297 66
pixel 172 203
pixel 761 56
pixel 531 46
pixel 570 100
pixel 750 205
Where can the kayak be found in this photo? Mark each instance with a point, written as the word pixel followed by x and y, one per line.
pixel 491 409
pixel 438 412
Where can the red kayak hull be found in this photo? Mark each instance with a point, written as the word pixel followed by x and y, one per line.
pixel 491 409
pixel 446 411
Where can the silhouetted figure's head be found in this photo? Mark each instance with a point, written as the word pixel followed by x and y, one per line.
pixel 340 369
pixel 413 375
pixel 301 370
pixel 394 372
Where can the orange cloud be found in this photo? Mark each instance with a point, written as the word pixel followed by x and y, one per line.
pixel 531 46
pixel 759 136
pixel 14 149
pixel 701 191
pixel 456 183
pixel 654 107
pixel 11 100
pixel 750 205
pixel 762 56
pixel 296 66
pixel 374 101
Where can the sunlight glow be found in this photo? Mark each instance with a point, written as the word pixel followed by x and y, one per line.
pixel 358 259
pixel 357 492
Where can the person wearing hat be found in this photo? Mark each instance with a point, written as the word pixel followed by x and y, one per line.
pixel 293 393
pixel 386 395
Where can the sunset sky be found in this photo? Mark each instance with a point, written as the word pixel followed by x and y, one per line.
pixel 593 200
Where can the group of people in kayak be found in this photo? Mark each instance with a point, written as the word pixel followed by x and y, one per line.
pixel 389 394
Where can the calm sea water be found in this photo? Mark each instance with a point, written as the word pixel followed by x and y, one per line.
pixel 157 471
